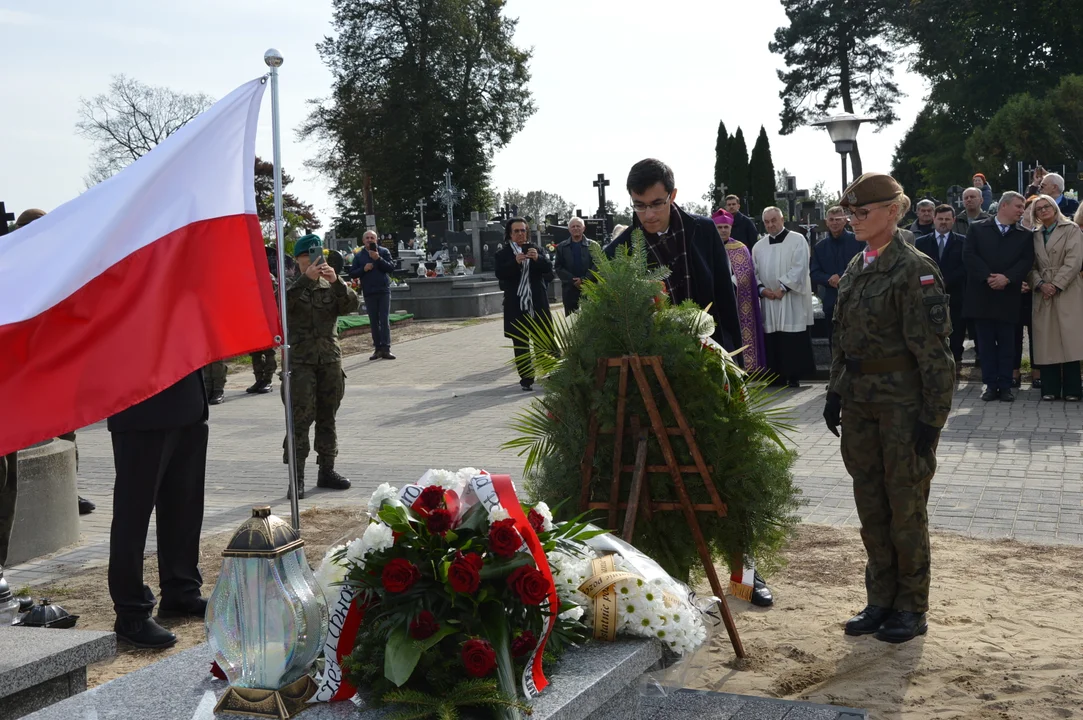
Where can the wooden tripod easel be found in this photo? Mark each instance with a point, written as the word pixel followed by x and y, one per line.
pixel 639 500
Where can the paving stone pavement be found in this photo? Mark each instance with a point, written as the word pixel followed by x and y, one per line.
pixel 1006 470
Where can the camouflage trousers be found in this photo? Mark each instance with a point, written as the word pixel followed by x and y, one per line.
pixel 214 377
pixel 264 365
pixel 317 392
pixel 9 492
pixel 891 491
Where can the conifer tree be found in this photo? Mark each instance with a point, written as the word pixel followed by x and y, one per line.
pixel 721 166
pixel 738 166
pixel 761 175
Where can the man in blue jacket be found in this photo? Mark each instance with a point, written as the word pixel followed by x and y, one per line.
pixel 373 265
pixel 830 258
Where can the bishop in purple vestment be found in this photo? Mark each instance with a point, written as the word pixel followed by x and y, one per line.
pixel 754 357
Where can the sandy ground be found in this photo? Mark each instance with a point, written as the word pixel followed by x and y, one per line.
pixel 87 594
pixel 1004 639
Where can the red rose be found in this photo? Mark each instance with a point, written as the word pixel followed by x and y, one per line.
pixel 423 626
pixel 439 521
pixel 536 520
pixel 530 585
pixel 504 539
pixel 430 499
pixel 478 657
pixel 524 644
pixel 463 574
pixel 399 575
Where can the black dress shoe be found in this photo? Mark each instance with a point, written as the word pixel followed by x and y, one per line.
pixel 526 385
pixel 1036 384
pixel 85 506
pixel 1017 382
pixel 194 609
pixel 375 356
pixel 386 355
pixel 902 626
pixel 216 398
pixel 793 384
pixel 330 478
pixel 761 594
pixel 990 395
pixel 868 620
pixel 1006 396
pixel 144 633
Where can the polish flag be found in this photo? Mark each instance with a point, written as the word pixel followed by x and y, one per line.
pixel 144 278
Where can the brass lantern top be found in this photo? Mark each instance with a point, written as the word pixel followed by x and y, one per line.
pixel 263 536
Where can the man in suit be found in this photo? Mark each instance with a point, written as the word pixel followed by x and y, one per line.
pixel 160 456
pixel 1053 186
pixel 998 255
pixel 945 247
pixel 686 244
pixel 744 229
pixel 573 264
pixel 830 258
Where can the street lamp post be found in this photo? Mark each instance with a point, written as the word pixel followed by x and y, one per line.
pixel 842 129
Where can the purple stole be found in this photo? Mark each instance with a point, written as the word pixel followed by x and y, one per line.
pixel 748 306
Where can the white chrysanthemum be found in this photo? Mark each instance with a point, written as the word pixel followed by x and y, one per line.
pixel 377 537
pixel 331 572
pixel 355 551
pixel 547 514
pixel 385 494
pixel 497 513
pixel 465 475
pixel 443 478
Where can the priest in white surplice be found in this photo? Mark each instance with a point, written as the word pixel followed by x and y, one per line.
pixel 781 259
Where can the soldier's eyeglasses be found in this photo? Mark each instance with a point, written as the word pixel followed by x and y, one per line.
pixel 862 213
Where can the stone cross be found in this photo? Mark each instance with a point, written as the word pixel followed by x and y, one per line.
pixel 790 197
pixel 421 206
pixel 601 183
pixel 474 227
pixel 5 216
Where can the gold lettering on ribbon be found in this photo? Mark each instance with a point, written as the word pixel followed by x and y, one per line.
pixel 599 588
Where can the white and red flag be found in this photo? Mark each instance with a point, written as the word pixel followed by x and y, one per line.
pixel 146 277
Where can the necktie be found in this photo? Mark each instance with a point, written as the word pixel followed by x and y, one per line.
pixel 941 240
pixel 1004 229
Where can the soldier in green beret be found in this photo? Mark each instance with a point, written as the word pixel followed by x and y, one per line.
pixel 315 297
pixel 892 379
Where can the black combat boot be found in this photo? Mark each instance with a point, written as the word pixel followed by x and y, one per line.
pixel 300 484
pixel 330 479
pixel 868 620
pixel 217 397
pixel 254 387
pixel 264 387
pixel 902 626
pixel 85 506
pixel 143 633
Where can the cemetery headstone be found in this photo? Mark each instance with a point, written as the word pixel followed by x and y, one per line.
pixel 491 240
pixel 474 226
pixel 788 200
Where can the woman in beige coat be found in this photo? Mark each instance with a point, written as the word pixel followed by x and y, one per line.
pixel 1058 301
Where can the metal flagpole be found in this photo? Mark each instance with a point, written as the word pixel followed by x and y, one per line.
pixel 274 60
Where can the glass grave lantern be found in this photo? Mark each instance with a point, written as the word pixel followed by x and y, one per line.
pixel 266 620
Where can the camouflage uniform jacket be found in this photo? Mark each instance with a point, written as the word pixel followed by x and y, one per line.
pixel 894 312
pixel 312 311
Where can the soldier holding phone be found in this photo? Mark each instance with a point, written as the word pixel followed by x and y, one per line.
pixel 315 298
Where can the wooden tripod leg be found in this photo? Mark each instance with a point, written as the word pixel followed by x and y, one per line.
pixel 635 493
pixel 686 504
pixel 587 466
pixel 618 445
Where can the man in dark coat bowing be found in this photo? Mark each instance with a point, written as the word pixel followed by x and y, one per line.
pixel 998 255
pixel 686 244
pixel 521 270
pixel 945 247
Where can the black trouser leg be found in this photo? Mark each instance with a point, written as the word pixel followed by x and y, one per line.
pixel 179 512
pixel 144 461
pixel 522 361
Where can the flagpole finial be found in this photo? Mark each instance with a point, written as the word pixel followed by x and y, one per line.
pixel 273 58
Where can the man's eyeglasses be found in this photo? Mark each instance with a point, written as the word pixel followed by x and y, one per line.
pixel 644 207
pixel 515 231
pixel 862 213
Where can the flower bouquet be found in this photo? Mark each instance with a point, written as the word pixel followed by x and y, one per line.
pixel 458 596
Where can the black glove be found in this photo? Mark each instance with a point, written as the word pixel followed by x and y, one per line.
pixel 833 412
pixel 924 438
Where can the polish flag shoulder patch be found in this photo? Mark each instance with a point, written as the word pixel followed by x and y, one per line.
pixel 927 280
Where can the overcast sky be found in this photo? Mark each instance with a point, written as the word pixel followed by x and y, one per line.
pixel 614 81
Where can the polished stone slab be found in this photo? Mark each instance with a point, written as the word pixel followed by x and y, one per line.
pixel 705 705
pixel 181 688
pixel 40 666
